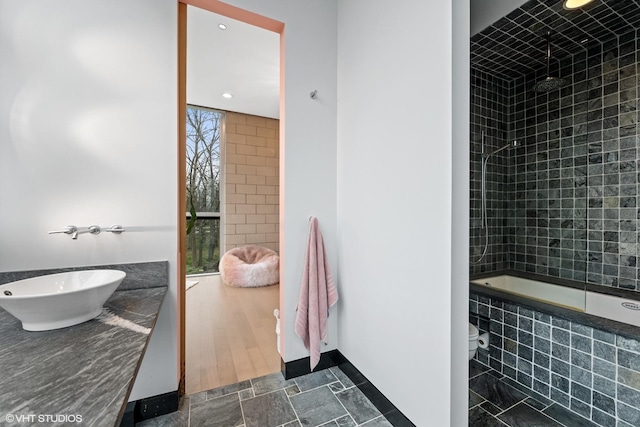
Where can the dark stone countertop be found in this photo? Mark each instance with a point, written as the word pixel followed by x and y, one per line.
pixel 85 370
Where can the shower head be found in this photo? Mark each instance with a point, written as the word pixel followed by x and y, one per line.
pixel 550 83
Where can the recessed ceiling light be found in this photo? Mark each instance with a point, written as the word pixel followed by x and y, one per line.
pixel 222 26
pixel 227 95
pixel 575 4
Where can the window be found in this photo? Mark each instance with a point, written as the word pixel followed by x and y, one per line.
pixel 204 130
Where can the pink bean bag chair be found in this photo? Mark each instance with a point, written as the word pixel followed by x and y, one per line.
pixel 250 266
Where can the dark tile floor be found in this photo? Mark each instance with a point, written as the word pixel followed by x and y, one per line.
pixel 328 398
pixel 325 398
pixel 496 400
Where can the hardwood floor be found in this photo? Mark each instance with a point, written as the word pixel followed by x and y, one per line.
pixel 230 333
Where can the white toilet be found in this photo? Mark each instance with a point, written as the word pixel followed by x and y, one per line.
pixel 473 340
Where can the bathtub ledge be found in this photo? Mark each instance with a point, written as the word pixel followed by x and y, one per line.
pixel 620 328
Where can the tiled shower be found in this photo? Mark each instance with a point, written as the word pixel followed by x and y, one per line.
pixel 565 203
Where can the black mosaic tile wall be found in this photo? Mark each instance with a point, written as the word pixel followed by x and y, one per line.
pixel 571 204
pixel 594 373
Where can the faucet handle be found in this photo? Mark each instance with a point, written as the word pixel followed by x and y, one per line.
pixel 116 229
pixel 69 229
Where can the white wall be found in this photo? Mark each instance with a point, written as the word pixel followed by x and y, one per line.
pixel 308 157
pixel 88 136
pixel 460 217
pixel 395 202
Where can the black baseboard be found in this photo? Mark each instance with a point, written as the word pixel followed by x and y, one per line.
pixel 297 368
pixel 128 419
pixel 379 400
pixel 150 407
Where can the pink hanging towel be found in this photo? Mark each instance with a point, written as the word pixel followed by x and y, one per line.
pixel 318 294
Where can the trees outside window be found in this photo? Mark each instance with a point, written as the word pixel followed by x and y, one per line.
pixel 204 128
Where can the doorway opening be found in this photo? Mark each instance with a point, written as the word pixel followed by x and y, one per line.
pixel 230 197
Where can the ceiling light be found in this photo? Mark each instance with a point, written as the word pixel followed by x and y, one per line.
pixel 224 27
pixel 227 95
pixel 575 4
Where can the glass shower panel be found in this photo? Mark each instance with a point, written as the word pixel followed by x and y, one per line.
pixel 549 200
pixel 612 169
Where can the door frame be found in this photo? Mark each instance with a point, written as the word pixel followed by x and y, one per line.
pixel 249 18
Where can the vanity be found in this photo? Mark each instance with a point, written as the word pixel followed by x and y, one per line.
pixel 82 374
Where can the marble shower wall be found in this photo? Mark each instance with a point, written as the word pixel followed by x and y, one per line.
pixel 567 202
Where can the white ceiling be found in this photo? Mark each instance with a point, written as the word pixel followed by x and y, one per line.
pixel 243 60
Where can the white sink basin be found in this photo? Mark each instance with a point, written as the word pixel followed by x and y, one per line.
pixel 59 300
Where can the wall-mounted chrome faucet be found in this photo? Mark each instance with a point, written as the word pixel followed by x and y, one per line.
pixel 72 230
pixel 69 229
